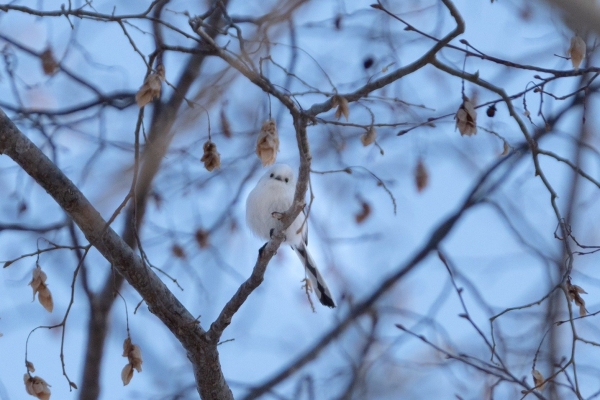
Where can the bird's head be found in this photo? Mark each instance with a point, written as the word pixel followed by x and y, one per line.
pixel 282 173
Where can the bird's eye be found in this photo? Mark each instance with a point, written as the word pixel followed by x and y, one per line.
pixel 286 180
pixel 272 175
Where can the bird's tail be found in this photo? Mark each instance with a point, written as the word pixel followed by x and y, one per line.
pixel 316 279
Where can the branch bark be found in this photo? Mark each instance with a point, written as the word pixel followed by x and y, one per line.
pixel 161 302
pixel 159 139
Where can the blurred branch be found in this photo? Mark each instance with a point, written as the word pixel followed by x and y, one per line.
pixel 158 142
pixel 583 15
pixel 364 91
pixel 488 180
pixel 161 302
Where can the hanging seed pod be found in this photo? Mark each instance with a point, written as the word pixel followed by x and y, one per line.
pixel 267 144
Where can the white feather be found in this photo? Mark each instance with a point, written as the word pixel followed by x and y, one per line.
pixel 274 193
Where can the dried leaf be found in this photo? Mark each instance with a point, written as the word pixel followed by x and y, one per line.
pixel 135 358
pixel 45 299
pixel 127 374
pixel 29 366
pixel 151 87
pixel 225 125
pixel 576 51
pixel 201 236
pixel 49 64
pixel 38 284
pixel 134 355
pixel 421 176
pixel 538 379
pixel 369 137
pixel 267 144
pixel 466 118
pixel 574 292
pixel 342 107
pixel 364 213
pixel 178 251
pixel 211 157
pixel 126 346
pixel 36 387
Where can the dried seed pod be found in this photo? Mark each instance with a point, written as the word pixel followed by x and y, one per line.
pixel 466 118
pixel 38 284
pixel 342 107
pixel 30 367
pixel 225 125
pixel 369 137
pixel 364 212
pixel 49 64
pixel 574 292
pixel 577 51
pixel 421 176
pixel 267 144
pixel 538 379
pixel 178 251
pixel 134 355
pixel 202 236
pixel 211 157
pixel 37 387
pixel 151 87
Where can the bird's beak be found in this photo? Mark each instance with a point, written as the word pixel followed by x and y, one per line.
pixel 278 177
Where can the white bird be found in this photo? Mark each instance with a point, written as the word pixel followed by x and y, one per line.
pixel 273 194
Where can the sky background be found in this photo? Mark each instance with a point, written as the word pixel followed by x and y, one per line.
pixel 496 268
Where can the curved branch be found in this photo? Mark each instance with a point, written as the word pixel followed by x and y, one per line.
pixel 161 301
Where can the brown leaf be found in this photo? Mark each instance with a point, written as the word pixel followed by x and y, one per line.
pixel 211 157
pixel 267 143
pixel 178 251
pixel 364 213
pixel 49 64
pixel 126 346
pixel 29 366
pixel 369 137
pixel 36 387
pixel 421 176
pixel 577 51
pixel 38 284
pixel 151 87
pixel 225 125
pixel 201 236
pixel 127 374
pixel 538 379
pixel 574 292
pixel 45 299
pixel 466 118
pixel 342 107
pixel 134 356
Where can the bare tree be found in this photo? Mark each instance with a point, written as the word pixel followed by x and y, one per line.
pixel 132 135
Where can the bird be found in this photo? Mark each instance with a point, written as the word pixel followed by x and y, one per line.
pixel 272 195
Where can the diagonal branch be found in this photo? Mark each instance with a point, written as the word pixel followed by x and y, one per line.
pixel 161 302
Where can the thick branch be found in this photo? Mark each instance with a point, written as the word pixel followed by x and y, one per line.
pixel 157 296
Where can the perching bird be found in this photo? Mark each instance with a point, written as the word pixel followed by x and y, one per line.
pixel 274 193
